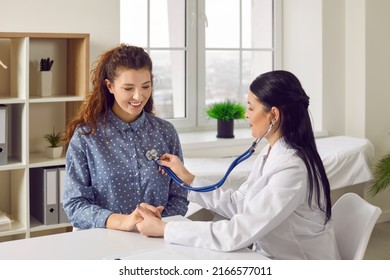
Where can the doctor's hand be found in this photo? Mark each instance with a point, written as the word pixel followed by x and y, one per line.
pixel 154 210
pixel 127 222
pixel 174 163
pixel 150 225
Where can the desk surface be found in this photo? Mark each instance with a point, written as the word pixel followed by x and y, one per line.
pixel 97 244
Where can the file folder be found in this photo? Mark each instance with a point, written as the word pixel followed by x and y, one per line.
pixel 62 217
pixel 3 135
pixel 44 195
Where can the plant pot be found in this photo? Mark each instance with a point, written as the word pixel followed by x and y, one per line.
pixel 53 152
pixel 225 129
pixel 45 87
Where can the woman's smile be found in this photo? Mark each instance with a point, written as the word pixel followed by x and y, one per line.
pixel 136 104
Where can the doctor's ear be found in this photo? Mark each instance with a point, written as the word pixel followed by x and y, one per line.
pixel 275 114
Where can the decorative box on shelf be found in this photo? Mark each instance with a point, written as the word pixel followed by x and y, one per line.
pixel 5 222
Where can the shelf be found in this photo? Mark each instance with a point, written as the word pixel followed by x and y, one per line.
pixel 56 99
pixel 12 165
pixel 13 198
pixel 36 226
pixel 30 115
pixel 12 100
pixel 40 160
pixel 16 228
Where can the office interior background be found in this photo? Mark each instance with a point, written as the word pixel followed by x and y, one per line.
pixel 337 48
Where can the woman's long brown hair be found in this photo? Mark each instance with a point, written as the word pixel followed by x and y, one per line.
pixel 100 99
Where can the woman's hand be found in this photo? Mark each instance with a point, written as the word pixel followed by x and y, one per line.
pixel 174 163
pixel 156 211
pixel 150 225
pixel 127 222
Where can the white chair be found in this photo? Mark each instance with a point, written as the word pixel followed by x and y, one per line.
pixel 353 219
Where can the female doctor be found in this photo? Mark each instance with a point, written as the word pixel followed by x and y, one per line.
pixel 284 207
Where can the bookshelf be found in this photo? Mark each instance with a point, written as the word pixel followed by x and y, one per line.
pixel 30 116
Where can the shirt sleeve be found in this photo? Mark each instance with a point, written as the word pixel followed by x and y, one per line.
pixel 78 201
pixel 226 203
pixel 177 200
pixel 265 208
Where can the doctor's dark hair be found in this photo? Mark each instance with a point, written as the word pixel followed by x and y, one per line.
pixel 99 100
pixel 283 90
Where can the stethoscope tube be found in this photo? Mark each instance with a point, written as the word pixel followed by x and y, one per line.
pixel 217 185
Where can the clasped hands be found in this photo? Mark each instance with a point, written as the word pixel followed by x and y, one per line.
pixel 149 222
pixel 147 218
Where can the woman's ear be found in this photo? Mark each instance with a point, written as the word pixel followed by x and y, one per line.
pixel 109 86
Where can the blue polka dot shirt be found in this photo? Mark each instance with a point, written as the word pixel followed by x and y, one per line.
pixel 108 172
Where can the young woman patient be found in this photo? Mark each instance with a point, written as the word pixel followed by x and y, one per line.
pixel 107 172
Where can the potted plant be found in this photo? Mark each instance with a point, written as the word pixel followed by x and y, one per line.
pixel 46 64
pixel 46 76
pixel 381 176
pixel 226 112
pixel 55 149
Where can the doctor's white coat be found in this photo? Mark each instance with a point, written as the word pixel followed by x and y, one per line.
pixel 270 210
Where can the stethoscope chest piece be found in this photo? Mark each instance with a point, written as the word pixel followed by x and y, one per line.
pixel 152 154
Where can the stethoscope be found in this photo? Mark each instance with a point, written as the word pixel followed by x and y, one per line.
pixel 153 155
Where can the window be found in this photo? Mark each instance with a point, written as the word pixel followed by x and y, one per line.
pixel 203 51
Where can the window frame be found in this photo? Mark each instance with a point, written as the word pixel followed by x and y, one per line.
pixel 202 122
pixel 195 95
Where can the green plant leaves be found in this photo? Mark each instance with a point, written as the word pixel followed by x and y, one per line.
pixel 46 64
pixel 54 138
pixel 381 176
pixel 227 110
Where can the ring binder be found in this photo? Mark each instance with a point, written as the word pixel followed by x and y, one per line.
pixel 62 217
pixel 43 197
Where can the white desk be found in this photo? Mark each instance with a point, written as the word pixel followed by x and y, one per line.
pixel 97 244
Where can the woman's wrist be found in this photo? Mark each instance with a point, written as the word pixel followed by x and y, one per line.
pixel 120 222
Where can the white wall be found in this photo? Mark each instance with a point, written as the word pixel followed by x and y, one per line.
pixel 377 77
pixel 340 50
pixel 355 52
pixel 302 49
pixel 99 18
pixel 314 49
pixel 334 66
pixel 378 74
